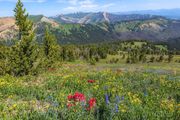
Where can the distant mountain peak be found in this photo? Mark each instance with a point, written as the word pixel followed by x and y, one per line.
pixel 89 18
pixel 50 21
pixel 105 14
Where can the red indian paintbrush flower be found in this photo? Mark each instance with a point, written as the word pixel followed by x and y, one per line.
pixel 69 105
pixel 91 81
pixel 79 97
pixel 92 103
pixel 70 97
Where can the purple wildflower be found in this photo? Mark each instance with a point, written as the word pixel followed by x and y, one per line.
pixel 117 99
pixel 116 108
pixel 122 97
pixel 107 98
pixel 145 93
pixel 55 104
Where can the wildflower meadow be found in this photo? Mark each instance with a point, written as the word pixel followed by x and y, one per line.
pixel 85 93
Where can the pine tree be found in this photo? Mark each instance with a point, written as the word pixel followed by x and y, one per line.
pixel 3 59
pixel 51 47
pixel 23 54
pixel 21 17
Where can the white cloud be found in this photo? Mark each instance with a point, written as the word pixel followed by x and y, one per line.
pixel 84 5
pixel 87 4
pixel 108 5
pixel 72 2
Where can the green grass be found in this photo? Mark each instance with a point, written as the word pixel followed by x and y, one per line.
pixel 145 91
pixel 67 27
pixel 135 44
pixel 162 47
pixel 35 18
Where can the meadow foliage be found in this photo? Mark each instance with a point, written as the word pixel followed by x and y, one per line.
pixel 37 81
pixel 78 93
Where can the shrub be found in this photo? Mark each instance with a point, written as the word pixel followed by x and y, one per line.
pixel 92 61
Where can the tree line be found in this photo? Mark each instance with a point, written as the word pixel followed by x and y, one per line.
pixel 26 56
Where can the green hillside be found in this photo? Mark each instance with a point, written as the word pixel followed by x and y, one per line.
pixel 156 29
pixel 35 18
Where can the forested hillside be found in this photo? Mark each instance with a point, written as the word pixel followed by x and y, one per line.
pixel 85 28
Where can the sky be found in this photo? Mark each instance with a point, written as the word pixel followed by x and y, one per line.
pixel 55 7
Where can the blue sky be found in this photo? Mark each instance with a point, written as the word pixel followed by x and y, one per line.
pixel 54 7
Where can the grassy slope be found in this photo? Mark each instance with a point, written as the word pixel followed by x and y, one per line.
pixel 35 18
pixel 45 96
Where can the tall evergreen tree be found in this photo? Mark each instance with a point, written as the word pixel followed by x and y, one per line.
pixel 51 47
pixel 23 55
pixel 21 17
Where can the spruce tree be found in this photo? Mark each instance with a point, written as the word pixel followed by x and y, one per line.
pixel 51 48
pixel 4 51
pixel 23 54
pixel 21 17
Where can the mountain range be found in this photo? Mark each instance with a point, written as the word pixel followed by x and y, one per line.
pixel 168 13
pixel 90 18
pixel 81 17
pixel 83 28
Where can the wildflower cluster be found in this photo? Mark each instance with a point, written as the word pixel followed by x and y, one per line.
pixel 102 95
pixel 80 98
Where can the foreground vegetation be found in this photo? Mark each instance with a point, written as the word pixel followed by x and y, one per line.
pixel 94 92
pixel 133 80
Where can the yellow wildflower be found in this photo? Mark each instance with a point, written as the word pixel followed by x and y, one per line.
pixel 168 104
pixel 12 107
pixel 123 110
pixel 96 87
